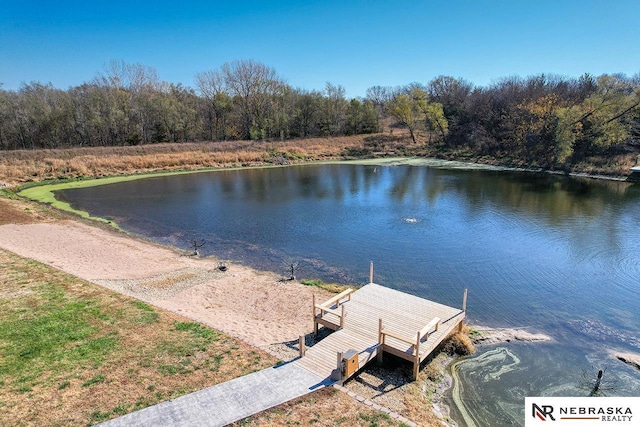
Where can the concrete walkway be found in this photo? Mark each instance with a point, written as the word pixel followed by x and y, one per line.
pixel 227 402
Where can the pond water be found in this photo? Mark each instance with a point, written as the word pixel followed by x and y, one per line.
pixel 559 254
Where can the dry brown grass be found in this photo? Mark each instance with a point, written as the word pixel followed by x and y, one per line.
pixel 14 212
pixel 17 167
pixel 22 166
pixel 428 386
pixel 327 407
pixel 132 356
pixel 419 394
pixel 460 343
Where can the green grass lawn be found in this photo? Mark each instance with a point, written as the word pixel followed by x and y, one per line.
pixel 73 353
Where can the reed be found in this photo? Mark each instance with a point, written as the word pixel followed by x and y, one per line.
pixel 460 343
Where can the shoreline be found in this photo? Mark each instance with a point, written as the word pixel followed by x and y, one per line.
pixel 243 302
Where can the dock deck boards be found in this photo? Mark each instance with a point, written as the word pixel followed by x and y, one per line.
pixel 402 314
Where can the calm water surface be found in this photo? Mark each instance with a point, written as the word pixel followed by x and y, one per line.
pixel 561 255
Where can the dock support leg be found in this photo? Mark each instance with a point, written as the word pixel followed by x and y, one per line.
pixel 371 272
pixel 416 361
pixel 302 346
pixel 315 323
pixel 416 368
pixel 464 309
pixel 336 374
pixel 380 342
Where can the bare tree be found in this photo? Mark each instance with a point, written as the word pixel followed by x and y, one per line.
pixel 334 109
pixel 196 244
pixel 133 77
pixel 379 95
pixel 252 84
pixel 291 267
pixel 211 85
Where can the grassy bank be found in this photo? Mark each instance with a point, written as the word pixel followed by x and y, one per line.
pixel 74 353
pixel 331 287
pixel 24 166
pixel 29 166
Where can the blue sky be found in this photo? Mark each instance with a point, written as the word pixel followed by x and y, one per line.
pixel 356 44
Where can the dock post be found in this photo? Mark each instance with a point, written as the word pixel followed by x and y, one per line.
pixel 464 308
pixel 301 346
pixel 371 272
pixel 464 300
pixel 380 342
pixel 416 361
pixel 315 323
pixel 336 374
pixel 342 317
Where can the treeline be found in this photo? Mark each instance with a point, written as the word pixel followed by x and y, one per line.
pixel 543 120
pixel 128 104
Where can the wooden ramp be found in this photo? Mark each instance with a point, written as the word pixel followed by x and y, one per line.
pixel 373 320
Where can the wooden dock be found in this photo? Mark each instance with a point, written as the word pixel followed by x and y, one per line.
pixel 374 320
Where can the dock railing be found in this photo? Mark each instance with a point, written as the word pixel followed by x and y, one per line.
pixel 333 306
pixel 411 354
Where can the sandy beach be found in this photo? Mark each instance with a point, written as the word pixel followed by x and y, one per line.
pixel 257 307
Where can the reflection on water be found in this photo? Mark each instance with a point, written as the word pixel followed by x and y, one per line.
pixel 556 253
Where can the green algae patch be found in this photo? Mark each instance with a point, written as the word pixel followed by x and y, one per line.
pixel 46 193
pixel 426 161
